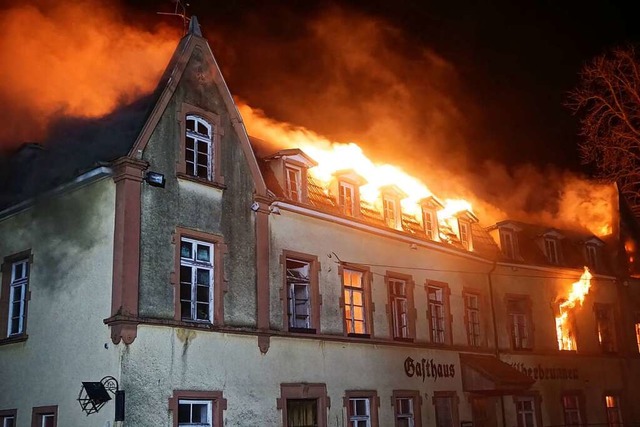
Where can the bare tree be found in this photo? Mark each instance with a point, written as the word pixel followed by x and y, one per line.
pixel 607 101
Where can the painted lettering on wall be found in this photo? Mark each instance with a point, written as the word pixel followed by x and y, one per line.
pixel 428 369
pixel 540 372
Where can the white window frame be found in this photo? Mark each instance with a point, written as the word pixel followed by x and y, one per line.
pixel 551 249
pixel 507 240
pixel 191 402
pixel 519 330
pixel 390 209
pixel 293 179
pixel 572 415
pixel 196 265
pixel 5 420
pixel 437 313
pixel 351 290
pixel 410 416
pixel 355 420
pixel 521 412
pixel 399 307
pixel 465 234
pixel 347 198
pixel 430 222
pixel 473 319
pixel 293 301
pixel 199 139
pixel 45 417
pixel 18 286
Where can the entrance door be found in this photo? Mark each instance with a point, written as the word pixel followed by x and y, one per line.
pixel 484 411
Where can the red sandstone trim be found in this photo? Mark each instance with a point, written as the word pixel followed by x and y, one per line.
pixel 374 403
pixel 417 405
pixel 304 391
pixel 263 313
pixel 218 403
pixel 39 411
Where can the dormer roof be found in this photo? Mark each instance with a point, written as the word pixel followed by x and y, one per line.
pixel 294 155
pixel 467 215
pixel 351 176
pixel 593 240
pixel 552 232
pixel 431 202
pixel 393 190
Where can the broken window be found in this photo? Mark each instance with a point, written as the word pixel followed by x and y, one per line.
pixel 298 293
pixel 360 412
pixel 355 306
pixel 606 331
pixel 196 413
pixel 196 280
pixel 347 198
pixel 572 410
pixel 565 328
pixel 399 307
pixel 302 412
pixel 614 416
pixel 199 148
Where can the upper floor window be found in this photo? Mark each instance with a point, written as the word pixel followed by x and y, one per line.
pixel 614 416
pixel 347 198
pixel 199 148
pixel 465 234
pixel 401 307
pixel 430 206
pixel 15 295
pixel 606 328
pixel 592 256
pixel 552 250
pixel 508 243
pixel 519 315
pixel 390 212
pixel 196 280
pixel 302 292
pixel 437 298
pixel 356 302
pixel 472 319
pixel 294 183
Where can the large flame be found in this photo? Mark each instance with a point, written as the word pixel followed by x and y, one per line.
pixel 334 156
pixel 564 329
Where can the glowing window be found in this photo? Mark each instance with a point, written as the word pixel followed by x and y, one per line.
pixel 430 223
pixel 347 199
pixel 199 148
pixel 354 302
pixel 465 235
pixel 390 212
pixel 614 416
pixel 638 335
pixel 294 183
pixel 606 331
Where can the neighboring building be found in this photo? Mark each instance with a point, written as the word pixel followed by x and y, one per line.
pixel 223 285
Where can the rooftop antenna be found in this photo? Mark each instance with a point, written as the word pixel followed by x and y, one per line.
pixel 181 12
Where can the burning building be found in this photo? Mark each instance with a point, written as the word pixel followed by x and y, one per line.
pixel 220 282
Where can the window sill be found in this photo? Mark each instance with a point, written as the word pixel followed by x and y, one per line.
pixel 206 182
pixel 302 330
pixel 401 339
pixel 359 335
pixel 14 339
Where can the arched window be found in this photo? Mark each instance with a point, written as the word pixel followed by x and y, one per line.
pixel 199 148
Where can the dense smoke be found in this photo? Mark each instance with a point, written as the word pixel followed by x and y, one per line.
pixel 73 58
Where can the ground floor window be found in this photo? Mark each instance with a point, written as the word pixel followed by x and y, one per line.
pixel 362 408
pixel 446 408
pixel 303 405
pixel 572 408
pixel 526 412
pixel 614 417
pixel 197 408
pixel 8 418
pixel 45 416
pixel 406 407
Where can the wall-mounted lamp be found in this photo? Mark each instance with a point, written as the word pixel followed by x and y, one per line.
pixel 95 394
pixel 255 206
pixel 155 179
pixel 274 210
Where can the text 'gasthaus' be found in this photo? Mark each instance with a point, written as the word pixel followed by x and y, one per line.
pixel 428 368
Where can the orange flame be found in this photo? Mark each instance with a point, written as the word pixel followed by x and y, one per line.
pixel 579 290
pixel 334 156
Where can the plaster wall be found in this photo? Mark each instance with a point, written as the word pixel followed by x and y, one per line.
pixel 71 240
pixel 221 211
pixel 333 242
pixel 169 359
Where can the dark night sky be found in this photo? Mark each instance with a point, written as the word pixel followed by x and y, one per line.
pixel 515 60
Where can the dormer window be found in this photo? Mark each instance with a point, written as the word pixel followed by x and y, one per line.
pixel 430 206
pixel 551 250
pixel 508 243
pixel 391 209
pixel 465 219
pixel 592 252
pixel 290 168
pixel 294 183
pixel 346 198
pixel 198 148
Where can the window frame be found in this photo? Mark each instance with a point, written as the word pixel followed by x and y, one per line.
pixel 464 229
pixel 214 397
pixel 391 212
pixel 298 174
pixel 618 408
pixel 296 391
pixel 38 412
pixel 608 308
pixel 536 405
pixel 374 404
pixel 592 256
pixel 455 401
pixel 219 284
pixel 467 292
pixel 637 331
pixel 409 286
pixel 526 311
pixel 446 310
pixel 509 250
pixel 416 400
pixel 215 179
pixel 6 270
pixel 368 306
pixel 430 223
pixel 314 291
pixel 580 410
pixel 6 414
pixel 348 209
pixel 553 257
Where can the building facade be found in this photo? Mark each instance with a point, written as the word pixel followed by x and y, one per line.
pixel 220 284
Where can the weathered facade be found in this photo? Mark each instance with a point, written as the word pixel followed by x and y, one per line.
pixel 223 285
